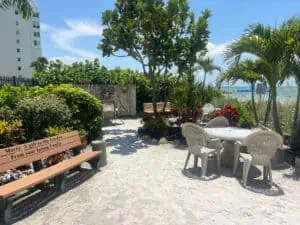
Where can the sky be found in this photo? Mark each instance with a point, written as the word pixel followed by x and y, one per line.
pixel 71 30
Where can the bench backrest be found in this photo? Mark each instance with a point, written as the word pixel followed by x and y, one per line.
pixel 24 154
pixel 148 107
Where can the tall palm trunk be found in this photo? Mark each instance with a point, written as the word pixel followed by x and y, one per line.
pixel 204 79
pixel 268 109
pixel 276 119
pixel 253 102
pixel 296 115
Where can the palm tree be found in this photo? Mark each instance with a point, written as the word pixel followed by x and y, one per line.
pixel 247 71
pixel 293 58
pixel 270 46
pixel 23 6
pixel 40 64
pixel 207 65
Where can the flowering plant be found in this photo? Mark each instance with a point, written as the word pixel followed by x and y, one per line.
pixel 230 112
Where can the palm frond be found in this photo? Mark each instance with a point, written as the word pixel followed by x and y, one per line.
pixel 23 6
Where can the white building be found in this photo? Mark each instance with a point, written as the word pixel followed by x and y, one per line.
pixel 20 43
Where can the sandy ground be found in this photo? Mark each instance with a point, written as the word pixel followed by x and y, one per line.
pixel 144 184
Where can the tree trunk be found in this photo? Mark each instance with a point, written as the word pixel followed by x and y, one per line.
pixel 204 79
pixel 296 114
pixel 253 103
pixel 268 109
pixel 154 97
pixel 276 119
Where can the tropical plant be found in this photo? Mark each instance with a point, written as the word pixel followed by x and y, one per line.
pixel 156 34
pixel 268 44
pixel 23 6
pixel 247 71
pixel 230 112
pixel 11 133
pixel 40 64
pixel 293 59
pixel 207 65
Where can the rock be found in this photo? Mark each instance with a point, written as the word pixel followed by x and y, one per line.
pixel 154 141
pixel 146 138
pixel 176 142
pixel 163 141
pixel 297 166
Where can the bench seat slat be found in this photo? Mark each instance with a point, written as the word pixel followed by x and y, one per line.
pixel 14 187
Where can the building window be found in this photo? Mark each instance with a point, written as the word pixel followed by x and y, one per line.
pixel 36 43
pixel 36 24
pixel 36 34
pixel 18 50
pixel 17 23
pixel 17 32
pixel 37 15
pixel 18 41
pixel 19 68
pixel 19 59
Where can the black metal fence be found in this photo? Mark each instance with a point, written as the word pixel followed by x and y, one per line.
pixel 16 81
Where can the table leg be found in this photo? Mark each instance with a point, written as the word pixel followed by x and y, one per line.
pixel 227 155
pixel 195 161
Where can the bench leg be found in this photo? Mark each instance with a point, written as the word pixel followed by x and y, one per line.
pixel 95 162
pixel 60 182
pixel 6 207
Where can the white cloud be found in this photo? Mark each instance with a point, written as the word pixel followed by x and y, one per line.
pixel 64 38
pixel 216 49
pixel 67 59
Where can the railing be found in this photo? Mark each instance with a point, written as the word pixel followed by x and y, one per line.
pixel 16 81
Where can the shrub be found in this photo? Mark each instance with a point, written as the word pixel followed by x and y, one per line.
pixel 54 131
pixel 246 118
pixel 6 113
pixel 9 95
pixel 87 112
pixel 11 133
pixel 41 112
pixel 230 112
pixel 155 127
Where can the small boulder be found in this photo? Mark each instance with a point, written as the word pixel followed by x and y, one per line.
pixel 154 141
pixel 163 141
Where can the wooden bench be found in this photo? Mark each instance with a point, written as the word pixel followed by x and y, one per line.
pixel 20 155
pixel 148 108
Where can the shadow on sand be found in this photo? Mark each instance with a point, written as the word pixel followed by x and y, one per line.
pixel 126 142
pixel 31 201
pixel 256 184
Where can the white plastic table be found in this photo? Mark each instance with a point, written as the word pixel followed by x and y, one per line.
pixel 229 135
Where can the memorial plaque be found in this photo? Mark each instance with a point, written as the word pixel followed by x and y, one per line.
pixel 20 155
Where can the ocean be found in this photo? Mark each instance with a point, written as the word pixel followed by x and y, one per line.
pixel 284 93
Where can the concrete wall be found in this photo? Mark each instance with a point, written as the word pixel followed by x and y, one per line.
pixel 124 97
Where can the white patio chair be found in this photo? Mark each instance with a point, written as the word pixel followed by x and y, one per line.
pixel 201 146
pixel 219 121
pixel 207 109
pixel 261 146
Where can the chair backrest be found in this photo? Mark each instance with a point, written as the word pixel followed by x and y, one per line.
pixel 196 137
pixel 24 154
pixel 262 145
pixel 219 121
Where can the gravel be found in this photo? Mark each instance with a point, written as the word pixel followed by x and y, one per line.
pixel 144 184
